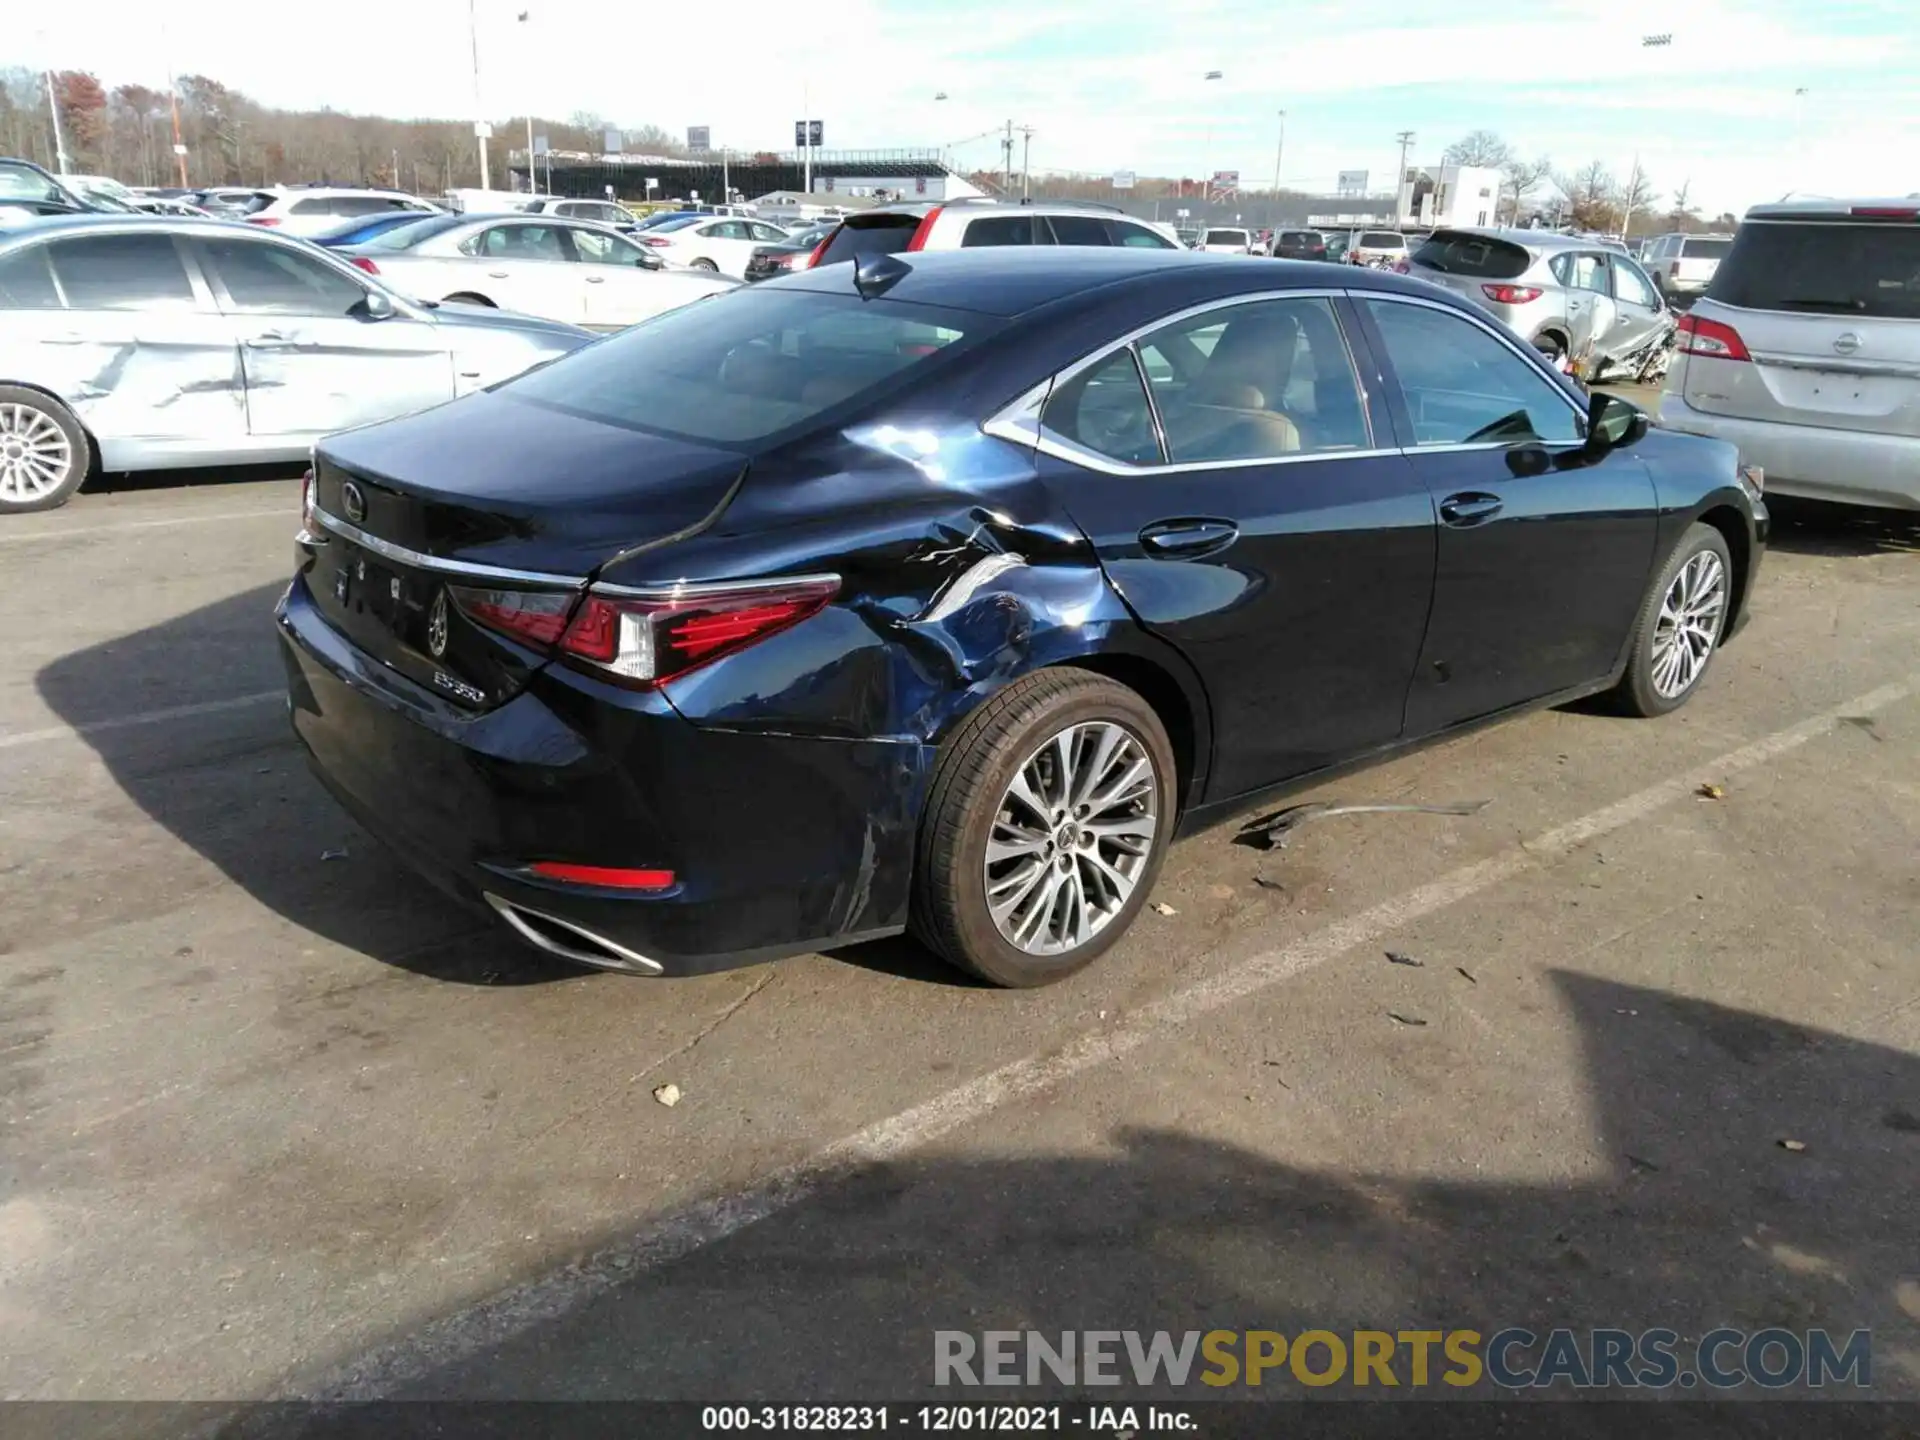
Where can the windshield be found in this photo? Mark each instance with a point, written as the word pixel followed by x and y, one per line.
pixel 741 369
pixel 405 237
pixel 1823 267
pixel 19 182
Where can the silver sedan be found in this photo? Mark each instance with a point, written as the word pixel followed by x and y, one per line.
pixel 573 270
pixel 142 343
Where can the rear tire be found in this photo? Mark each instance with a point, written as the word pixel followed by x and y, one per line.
pixel 1070 778
pixel 465 299
pixel 1679 626
pixel 703 264
pixel 44 452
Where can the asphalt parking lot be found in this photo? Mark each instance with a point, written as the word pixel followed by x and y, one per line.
pixel 279 1120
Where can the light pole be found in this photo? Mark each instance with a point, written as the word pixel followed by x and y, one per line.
pixel 533 184
pixel 479 120
pixel 59 139
pixel 1279 150
pixel 1400 206
pixel 1206 181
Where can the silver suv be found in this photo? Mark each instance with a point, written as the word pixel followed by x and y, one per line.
pixel 1682 265
pixel 1805 351
pixel 965 224
pixel 1579 301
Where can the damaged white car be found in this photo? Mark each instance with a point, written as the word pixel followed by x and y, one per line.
pixel 141 343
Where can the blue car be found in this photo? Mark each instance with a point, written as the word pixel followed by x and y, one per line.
pixel 940 591
pixel 359 229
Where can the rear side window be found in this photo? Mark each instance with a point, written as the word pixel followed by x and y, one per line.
pixel 315 206
pixel 1481 256
pixel 122 272
pixel 1696 248
pixel 26 281
pixel 1079 230
pixel 871 235
pixel 998 230
pixel 740 370
pixel 1822 268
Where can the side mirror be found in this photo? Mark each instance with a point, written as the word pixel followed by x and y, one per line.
pixel 375 305
pixel 1612 422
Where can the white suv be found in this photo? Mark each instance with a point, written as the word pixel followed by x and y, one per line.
pixel 967 224
pixel 1683 265
pixel 313 208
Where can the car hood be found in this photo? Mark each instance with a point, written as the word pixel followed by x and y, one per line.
pixel 475 319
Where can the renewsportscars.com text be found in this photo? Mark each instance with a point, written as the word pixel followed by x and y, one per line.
pixel 1514 1358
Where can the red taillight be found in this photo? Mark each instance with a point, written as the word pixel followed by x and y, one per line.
pixel 645 641
pixel 1886 212
pixel 610 877
pixel 924 229
pixel 365 264
pixel 821 248
pixel 659 240
pixel 1709 338
pixel 1511 294
pixel 263 219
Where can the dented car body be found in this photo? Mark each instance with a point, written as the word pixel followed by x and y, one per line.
pixel 180 342
pixel 655 652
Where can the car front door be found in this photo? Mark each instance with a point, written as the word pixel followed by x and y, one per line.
pixel 140 350
pixel 1639 314
pixel 316 358
pixel 1248 515
pixel 1544 545
pixel 529 266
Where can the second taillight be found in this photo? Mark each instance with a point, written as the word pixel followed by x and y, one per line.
pixel 1710 339
pixel 646 640
pixel 363 263
pixel 1511 294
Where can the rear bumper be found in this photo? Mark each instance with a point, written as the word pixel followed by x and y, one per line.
pixel 1851 466
pixel 779 844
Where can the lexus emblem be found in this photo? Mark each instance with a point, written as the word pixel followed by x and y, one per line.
pixel 437 626
pixel 352 503
pixel 1847 343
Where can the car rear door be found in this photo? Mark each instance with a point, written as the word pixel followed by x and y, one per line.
pixel 315 359
pixel 1543 546
pixel 1818 323
pixel 530 267
pixel 1248 515
pixel 140 351
pixel 1639 313
pixel 1589 301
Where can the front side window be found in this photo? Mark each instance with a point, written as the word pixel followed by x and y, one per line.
pixel 26 281
pixel 1256 381
pixel 597 249
pixel 1464 387
pixel 1104 409
pixel 264 278
pixel 1138 236
pixel 1588 272
pixel 122 272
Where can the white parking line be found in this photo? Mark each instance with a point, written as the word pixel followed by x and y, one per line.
pixel 709 1221
pixel 146 717
pixel 81 532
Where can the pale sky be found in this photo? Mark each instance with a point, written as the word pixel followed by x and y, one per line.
pixel 1108 84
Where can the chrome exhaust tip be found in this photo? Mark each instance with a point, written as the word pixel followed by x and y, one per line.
pixel 570 941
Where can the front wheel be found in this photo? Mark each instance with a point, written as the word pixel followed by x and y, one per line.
pixel 1679 626
pixel 704 264
pixel 44 454
pixel 1049 815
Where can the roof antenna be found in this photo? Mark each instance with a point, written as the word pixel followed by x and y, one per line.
pixel 875 273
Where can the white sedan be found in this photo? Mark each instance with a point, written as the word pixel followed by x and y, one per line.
pixel 723 243
pixel 571 270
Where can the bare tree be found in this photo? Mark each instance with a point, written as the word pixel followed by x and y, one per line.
pixel 1637 197
pixel 1481 148
pixel 1590 192
pixel 1523 178
pixel 1682 215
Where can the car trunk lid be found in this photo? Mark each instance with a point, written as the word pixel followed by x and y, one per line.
pixel 1826 312
pixel 433 519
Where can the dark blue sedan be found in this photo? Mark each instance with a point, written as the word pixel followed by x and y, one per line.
pixel 361 228
pixel 940 591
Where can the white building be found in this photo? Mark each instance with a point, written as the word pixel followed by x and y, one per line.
pixel 1434 195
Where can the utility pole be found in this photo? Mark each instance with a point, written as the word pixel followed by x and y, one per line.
pixel 479 121
pixel 59 139
pixel 1026 174
pixel 179 146
pixel 1400 207
pixel 1006 160
pixel 1633 192
pixel 1278 151
pixel 726 183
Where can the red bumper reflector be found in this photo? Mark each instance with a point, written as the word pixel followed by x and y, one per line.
pixel 607 876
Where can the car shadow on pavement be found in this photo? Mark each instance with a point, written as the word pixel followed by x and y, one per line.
pixel 1815 527
pixel 123 482
pixel 232 784
pixel 1730 1169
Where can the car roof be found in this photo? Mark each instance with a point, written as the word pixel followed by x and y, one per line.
pixel 1011 280
pixel 1889 207
pixel 1540 240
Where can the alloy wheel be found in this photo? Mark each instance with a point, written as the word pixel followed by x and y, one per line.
pixel 1072 835
pixel 35 454
pixel 1688 625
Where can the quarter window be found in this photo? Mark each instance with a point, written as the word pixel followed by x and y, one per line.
pixel 1104 409
pixel 122 272
pixel 1463 387
pixel 1254 382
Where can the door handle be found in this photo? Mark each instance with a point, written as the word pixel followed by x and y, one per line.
pixel 1470 507
pixel 1187 539
pixel 596 279
pixel 269 340
pixel 496 274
